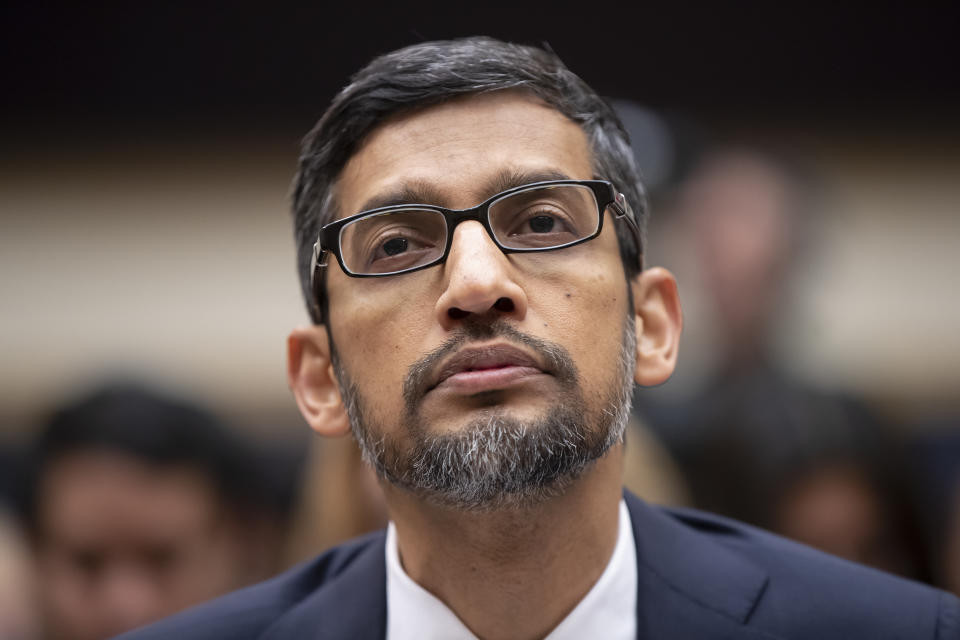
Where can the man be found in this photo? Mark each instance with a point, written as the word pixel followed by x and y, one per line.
pixel 139 507
pixel 480 317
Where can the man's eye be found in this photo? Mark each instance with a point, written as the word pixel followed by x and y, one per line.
pixel 542 223
pixel 395 246
pixel 392 241
pixel 402 249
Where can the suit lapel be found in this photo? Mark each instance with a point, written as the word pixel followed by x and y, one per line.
pixel 352 604
pixel 689 586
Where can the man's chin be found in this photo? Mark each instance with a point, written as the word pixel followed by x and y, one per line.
pixel 495 499
pixel 492 460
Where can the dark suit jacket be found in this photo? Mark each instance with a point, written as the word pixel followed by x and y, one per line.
pixel 699 577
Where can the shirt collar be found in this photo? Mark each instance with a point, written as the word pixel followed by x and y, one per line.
pixel 607 611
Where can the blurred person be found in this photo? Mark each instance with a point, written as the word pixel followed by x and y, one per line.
pixel 11 462
pixel 743 211
pixel 813 466
pixel 841 508
pixel 138 505
pixel 468 219
pixel 18 615
pixel 935 457
pixel 758 444
pixel 737 223
pixel 851 496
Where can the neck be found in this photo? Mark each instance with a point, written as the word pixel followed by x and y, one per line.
pixel 515 572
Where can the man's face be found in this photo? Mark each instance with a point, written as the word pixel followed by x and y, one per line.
pixel 510 347
pixel 123 543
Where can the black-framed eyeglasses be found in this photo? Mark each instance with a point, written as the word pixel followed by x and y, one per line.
pixel 542 216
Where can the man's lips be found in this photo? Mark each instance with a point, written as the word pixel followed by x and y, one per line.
pixel 478 369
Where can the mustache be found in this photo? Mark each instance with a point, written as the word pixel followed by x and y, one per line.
pixel 558 360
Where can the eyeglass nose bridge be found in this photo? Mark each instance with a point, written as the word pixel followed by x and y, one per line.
pixel 479 213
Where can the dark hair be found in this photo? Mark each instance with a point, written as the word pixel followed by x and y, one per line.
pixel 148 427
pixel 432 72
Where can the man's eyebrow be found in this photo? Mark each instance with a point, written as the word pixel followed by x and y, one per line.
pixel 410 193
pixel 510 178
pixel 419 192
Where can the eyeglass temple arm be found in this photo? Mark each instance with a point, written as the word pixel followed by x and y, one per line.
pixel 315 260
pixel 623 210
pixel 318 261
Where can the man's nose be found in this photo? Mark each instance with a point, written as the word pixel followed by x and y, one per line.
pixel 478 278
pixel 129 598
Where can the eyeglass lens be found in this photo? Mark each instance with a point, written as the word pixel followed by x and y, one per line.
pixel 537 218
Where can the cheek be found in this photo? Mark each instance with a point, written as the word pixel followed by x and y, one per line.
pixel 584 314
pixel 378 333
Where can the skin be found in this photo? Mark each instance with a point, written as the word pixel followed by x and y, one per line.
pixel 518 571
pixel 122 544
pixel 836 509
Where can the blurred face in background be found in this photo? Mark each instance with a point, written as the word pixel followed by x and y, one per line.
pixel 837 509
pixel 121 543
pixel 738 209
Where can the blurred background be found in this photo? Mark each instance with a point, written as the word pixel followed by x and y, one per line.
pixel 803 164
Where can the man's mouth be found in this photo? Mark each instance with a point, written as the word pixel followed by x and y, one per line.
pixel 479 369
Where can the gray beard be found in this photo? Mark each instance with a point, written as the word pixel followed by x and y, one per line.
pixel 495 461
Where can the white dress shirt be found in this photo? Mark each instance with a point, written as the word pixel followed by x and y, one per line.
pixel 609 610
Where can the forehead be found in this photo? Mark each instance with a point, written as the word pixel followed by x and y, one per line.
pixel 90 494
pixel 455 151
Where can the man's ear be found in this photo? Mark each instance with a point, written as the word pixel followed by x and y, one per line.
pixel 313 382
pixel 659 321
